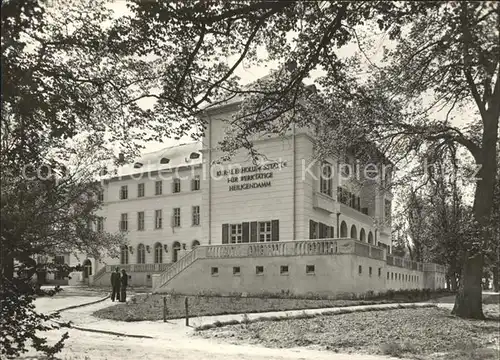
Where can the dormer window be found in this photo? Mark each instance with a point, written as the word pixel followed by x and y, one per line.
pixel 194 155
pixel 164 161
pixel 137 165
pixel 103 172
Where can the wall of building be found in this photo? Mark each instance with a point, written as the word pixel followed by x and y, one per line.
pixel 186 233
pixel 333 275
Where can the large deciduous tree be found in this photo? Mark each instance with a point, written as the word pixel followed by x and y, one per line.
pixel 452 56
pixel 57 101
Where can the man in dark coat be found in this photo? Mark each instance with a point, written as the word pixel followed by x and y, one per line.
pixel 123 286
pixel 115 285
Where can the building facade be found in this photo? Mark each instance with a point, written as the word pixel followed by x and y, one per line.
pixel 194 223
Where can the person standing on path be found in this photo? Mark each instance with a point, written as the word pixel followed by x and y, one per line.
pixel 123 286
pixel 115 285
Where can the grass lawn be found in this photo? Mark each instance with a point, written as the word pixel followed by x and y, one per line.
pixel 427 333
pixel 150 307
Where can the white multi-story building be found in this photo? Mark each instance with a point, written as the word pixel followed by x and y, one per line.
pixel 236 214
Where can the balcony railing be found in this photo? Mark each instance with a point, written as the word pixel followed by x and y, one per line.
pixel 160 267
pixel 404 263
pixel 284 248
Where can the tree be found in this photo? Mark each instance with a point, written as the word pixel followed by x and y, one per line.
pixel 55 110
pixel 452 55
pixel 447 50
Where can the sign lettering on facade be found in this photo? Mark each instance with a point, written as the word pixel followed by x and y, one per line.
pixel 251 177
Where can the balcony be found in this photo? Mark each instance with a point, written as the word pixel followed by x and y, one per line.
pixel 355 214
pixel 323 202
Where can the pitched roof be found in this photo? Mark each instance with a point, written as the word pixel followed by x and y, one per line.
pixel 179 155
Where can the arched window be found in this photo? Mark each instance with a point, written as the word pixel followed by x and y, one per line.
pixel 158 253
pixel 175 249
pixel 195 244
pixel 343 229
pixel 141 254
pixel 362 235
pixel 370 238
pixel 354 232
pixel 124 255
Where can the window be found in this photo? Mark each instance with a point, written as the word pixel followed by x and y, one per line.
pixel 236 270
pixel 284 269
pixel 100 195
pixel 140 220
pixel 158 253
pixel 158 219
pixel 100 224
pixel 164 161
pixel 59 259
pixel 370 271
pixel 360 269
pixel 177 217
pixel 326 179
pixel 392 276
pixel 124 255
pixel 124 222
pixel 176 186
pixel 158 187
pixel 388 275
pixel 124 192
pixel 140 190
pixel 264 231
pixel 196 215
pixel 259 270
pixel 214 271
pixel 236 234
pixel 141 254
pixel 309 269
pixel 195 183
pixel 379 272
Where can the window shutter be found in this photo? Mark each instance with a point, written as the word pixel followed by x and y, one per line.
pixel 312 229
pixel 225 233
pixel 192 184
pixel 321 231
pixel 246 232
pixel 253 231
pixel 275 230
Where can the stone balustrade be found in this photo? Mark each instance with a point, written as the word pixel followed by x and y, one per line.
pixel 138 267
pixel 271 249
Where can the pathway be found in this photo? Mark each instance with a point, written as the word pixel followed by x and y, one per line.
pixel 171 340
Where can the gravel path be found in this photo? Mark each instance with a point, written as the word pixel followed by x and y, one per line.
pixel 172 340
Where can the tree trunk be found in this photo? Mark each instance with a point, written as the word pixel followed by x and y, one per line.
pixel 468 303
pixel 495 279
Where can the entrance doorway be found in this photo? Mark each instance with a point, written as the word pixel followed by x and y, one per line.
pixel 87 270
